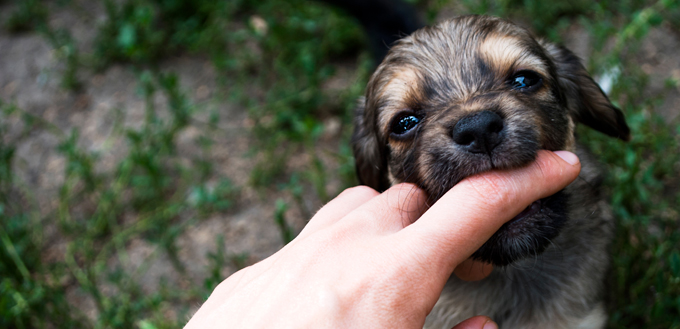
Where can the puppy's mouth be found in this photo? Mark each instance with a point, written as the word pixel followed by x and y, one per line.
pixel 526 235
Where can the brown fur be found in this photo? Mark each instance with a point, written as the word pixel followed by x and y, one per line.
pixel 550 264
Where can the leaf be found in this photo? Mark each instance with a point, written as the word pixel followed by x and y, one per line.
pixel 127 36
pixel 674 262
pixel 146 324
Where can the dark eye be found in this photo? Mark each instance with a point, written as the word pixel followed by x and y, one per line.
pixel 404 123
pixel 526 80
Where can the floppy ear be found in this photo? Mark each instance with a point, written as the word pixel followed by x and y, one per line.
pixel 369 154
pixel 587 102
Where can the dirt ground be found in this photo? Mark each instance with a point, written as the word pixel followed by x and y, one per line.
pixel 30 73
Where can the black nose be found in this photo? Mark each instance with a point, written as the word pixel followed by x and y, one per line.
pixel 479 133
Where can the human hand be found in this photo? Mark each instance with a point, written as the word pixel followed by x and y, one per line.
pixel 364 261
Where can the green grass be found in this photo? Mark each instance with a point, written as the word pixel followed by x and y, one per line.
pixel 276 71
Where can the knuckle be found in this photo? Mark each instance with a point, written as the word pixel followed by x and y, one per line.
pixel 365 219
pixel 361 190
pixel 406 203
pixel 404 196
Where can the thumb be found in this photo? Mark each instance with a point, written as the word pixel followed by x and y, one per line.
pixel 477 322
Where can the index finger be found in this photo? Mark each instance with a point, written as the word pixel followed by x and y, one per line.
pixel 468 215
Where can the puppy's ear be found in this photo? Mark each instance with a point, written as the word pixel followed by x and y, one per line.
pixel 587 102
pixel 369 154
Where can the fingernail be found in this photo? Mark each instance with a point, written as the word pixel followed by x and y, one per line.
pixel 567 156
pixel 490 325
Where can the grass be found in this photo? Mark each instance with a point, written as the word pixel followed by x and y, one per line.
pixel 274 58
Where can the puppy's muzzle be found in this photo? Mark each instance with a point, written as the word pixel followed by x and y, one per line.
pixel 479 133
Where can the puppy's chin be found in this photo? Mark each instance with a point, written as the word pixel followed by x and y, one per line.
pixel 526 235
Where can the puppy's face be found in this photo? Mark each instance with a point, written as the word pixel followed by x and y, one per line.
pixel 470 95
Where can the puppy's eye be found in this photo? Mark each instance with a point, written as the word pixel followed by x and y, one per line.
pixel 404 123
pixel 526 80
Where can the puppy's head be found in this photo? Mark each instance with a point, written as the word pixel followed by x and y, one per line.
pixel 470 95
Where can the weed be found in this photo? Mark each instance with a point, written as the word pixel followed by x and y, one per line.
pixel 32 15
pixel 280 220
pixel 30 292
pixel 66 50
pixel 28 15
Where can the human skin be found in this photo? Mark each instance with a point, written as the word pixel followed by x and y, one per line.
pixel 371 260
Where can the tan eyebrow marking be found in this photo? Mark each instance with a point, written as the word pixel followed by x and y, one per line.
pixel 504 53
pixel 400 87
pixel 402 81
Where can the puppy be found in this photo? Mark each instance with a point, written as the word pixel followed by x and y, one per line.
pixel 479 93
